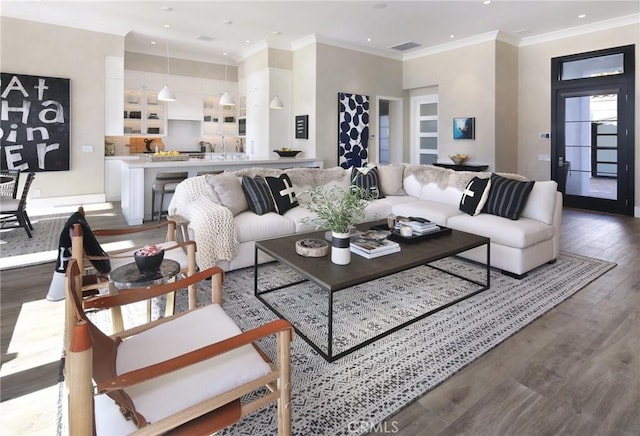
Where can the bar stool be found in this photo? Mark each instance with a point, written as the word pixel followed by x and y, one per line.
pixel 165 184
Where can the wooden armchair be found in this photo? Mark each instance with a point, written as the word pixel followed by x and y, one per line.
pixel 185 373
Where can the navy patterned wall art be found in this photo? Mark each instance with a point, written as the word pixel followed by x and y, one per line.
pixel 353 130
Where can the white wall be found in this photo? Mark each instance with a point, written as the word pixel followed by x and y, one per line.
pixel 465 79
pixel 342 70
pixel 42 49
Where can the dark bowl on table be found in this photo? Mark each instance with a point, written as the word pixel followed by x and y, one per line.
pixel 149 264
pixel 287 153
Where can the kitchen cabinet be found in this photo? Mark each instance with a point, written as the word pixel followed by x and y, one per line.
pixel 113 95
pixel 143 113
pixel 218 120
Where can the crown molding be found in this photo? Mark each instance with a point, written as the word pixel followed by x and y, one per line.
pixel 466 42
pixel 581 30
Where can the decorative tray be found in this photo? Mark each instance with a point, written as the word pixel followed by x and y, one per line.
pixel 396 236
pixel 154 158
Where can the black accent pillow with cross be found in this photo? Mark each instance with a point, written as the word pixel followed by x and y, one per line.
pixel 282 193
pixel 475 195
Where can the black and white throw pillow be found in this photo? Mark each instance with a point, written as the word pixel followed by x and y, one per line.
pixel 367 179
pixel 475 196
pixel 282 193
pixel 258 195
pixel 507 197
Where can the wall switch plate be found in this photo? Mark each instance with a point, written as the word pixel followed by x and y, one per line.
pixel 87 148
pixel 544 135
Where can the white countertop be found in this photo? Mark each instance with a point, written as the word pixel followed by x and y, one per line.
pixel 212 159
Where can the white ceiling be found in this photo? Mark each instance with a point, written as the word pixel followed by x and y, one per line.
pixel 253 24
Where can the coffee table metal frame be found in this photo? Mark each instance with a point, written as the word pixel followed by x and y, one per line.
pixel 333 278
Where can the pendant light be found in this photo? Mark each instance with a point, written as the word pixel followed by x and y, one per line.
pixel 276 103
pixel 165 93
pixel 226 99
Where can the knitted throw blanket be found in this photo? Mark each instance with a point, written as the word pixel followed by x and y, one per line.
pixel 214 230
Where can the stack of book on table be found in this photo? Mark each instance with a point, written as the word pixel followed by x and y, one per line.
pixel 421 226
pixel 371 249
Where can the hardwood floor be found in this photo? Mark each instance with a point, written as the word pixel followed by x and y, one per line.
pixel 574 371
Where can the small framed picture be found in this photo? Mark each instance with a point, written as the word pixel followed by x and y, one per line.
pixel 302 126
pixel 464 128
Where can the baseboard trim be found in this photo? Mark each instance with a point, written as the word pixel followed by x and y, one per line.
pixel 72 200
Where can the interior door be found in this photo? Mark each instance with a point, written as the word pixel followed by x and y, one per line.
pixel 590 162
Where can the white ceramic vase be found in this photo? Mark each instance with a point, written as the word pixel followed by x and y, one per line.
pixel 340 252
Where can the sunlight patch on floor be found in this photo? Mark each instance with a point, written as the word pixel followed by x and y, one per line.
pixel 34 347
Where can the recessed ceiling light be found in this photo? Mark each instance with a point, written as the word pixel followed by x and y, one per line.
pixel 368 39
pixel 582 16
pixel 206 38
pixel 452 36
pixel 167 25
pixel 167 8
pixel 486 2
pixel 247 41
pixel 227 22
pixel 380 5
pixel 277 32
pixel 153 43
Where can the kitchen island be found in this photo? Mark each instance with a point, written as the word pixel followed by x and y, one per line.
pixel 138 175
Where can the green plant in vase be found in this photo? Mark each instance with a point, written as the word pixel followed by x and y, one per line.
pixel 337 209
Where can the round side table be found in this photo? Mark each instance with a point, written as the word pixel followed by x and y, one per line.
pixel 129 276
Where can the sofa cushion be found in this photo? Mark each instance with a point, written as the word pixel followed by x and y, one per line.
pixel 228 190
pixel 284 197
pixel 520 233
pixel 448 194
pixel 367 179
pixel 507 197
pixel 390 178
pixel 439 213
pixel 383 207
pixel 475 196
pixel 252 227
pixel 541 202
pixel 258 195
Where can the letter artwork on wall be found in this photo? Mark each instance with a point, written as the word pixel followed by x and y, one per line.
pixel 34 123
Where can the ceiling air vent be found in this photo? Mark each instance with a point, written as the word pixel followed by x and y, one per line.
pixel 205 38
pixel 405 46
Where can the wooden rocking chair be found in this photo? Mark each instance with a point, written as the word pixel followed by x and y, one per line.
pixel 184 374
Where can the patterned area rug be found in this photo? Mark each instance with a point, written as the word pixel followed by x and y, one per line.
pixel 18 250
pixel 363 389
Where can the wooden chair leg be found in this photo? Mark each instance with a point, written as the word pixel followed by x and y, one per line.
pixel 80 358
pixel 116 312
pixel 284 382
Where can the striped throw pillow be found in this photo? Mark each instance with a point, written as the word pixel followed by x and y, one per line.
pixel 507 197
pixel 258 195
pixel 367 179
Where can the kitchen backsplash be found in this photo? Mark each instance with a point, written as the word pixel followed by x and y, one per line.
pixel 212 144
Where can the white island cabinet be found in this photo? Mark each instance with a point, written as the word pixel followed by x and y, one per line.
pixel 138 177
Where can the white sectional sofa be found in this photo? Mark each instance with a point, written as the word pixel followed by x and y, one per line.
pixel 225 229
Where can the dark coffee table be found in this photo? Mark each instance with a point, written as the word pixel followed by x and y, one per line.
pixel 333 278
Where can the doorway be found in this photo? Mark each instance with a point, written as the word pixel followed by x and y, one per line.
pixel 593 129
pixel 390 130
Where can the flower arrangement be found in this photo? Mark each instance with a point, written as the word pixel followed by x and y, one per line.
pixel 337 208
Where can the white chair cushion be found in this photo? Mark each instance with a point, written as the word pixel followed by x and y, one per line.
pixel 168 394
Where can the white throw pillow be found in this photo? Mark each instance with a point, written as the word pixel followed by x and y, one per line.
pixel 541 201
pixel 390 178
pixel 228 189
